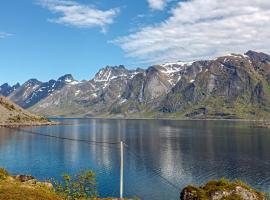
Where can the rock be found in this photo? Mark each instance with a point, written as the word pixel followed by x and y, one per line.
pixel 31 181
pixel 24 178
pixel 221 190
pixel 48 185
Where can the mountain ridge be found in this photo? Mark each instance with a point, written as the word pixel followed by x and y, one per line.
pixel 231 86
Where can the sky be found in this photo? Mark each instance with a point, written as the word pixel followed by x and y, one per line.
pixel 46 39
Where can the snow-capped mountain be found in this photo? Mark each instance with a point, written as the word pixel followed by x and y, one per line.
pixel 231 86
pixel 33 91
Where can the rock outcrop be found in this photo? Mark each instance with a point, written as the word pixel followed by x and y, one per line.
pixel 221 190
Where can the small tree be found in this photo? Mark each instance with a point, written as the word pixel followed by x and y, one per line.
pixel 82 185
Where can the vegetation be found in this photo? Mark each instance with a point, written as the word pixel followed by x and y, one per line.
pixel 19 118
pixel 7 104
pixel 81 186
pixel 267 196
pixel 3 174
pixel 205 192
pixel 11 188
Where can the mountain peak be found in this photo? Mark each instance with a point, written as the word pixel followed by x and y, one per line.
pixel 66 78
pixel 115 67
pixel 258 56
pixel 16 85
pixel 5 85
pixel 6 89
pixel 32 81
pixel 110 72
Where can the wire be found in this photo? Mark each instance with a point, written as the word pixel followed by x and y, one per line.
pixel 91 142
pixel 155 172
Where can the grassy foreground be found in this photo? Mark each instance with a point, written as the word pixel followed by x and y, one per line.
pixel 13 188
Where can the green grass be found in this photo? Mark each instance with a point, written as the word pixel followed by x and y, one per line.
pixel 267 196
pixel 13 189
pixel 204 192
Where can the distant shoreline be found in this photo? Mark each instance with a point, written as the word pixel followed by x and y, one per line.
pixel 17 125
pixel 260 123
pixel 169 119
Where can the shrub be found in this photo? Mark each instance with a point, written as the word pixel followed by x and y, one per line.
pixel 3 174
pixel 82 185
pixel 267 196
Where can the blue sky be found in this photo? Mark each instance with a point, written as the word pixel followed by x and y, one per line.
pixel 45 39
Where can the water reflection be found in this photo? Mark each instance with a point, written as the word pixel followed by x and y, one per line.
pixel 183 152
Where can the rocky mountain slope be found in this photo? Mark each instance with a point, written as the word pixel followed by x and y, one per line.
pixel 231 86
pixel 13 115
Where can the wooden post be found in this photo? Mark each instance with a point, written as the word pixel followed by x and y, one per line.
pixel 121 170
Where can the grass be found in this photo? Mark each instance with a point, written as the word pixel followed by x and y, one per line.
pixel 13 189
pixel 204 192
pixel 19 118
pixel 6 104
pixel 267 196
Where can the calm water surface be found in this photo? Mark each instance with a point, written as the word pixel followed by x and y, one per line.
pixel 183 152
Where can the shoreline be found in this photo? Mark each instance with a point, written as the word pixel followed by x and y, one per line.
pixel 169 119
pixel 17 125
pixel 262 123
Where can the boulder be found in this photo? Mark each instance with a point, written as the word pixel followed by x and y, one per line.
pixel 24 178
pixel 221 190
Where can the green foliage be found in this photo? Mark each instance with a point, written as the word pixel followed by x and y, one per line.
pixel 116 110
pixel 82 185
pixel 3 174
pixel 204 192
pixel 267 196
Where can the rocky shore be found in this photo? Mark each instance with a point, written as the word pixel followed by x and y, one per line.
pixel 17 125
pixel 261 124
pixel 221 190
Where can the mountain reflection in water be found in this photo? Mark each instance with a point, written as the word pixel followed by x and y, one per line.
pixel 183 152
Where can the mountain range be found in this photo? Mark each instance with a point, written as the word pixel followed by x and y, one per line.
pixel 235 86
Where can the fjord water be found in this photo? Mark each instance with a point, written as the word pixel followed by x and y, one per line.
pixel 181 152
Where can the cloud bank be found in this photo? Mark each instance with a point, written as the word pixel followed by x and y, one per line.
pixel 79 15
pixel 201 29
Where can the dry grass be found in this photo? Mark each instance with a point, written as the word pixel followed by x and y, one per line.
pixel 13 189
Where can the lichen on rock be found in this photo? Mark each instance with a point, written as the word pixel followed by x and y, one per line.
pixel 221 190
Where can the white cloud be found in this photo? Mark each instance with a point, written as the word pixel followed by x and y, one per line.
pixel 4 35
pixel 200 29
pixel 157 4
pixel 78 15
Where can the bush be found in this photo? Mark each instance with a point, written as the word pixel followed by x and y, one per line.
pixel 3 174
pixel 82 185
pixel 267 196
